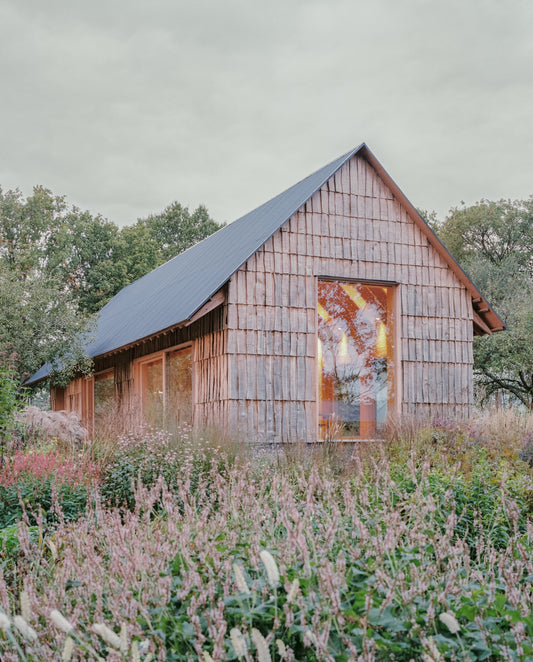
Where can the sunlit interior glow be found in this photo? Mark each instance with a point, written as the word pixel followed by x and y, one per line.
pixel 381 342
pixel 355 358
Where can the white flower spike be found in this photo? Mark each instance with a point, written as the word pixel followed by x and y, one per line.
pixel 68 649
pixel 261 646
pixel 239 579
pixel 5 623
pixel 450 621
pixel 270 567
pixel 25 609
pixel 25 630
pixel 239 642
pixel 293 591
pixel 107 635
pixel 61 622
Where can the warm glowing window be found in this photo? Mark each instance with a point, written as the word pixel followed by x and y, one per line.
pixel 166 388
pixel 355 358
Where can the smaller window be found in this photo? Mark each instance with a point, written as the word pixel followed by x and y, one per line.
pixel 165 388
pixel 152 400
pixel 104 401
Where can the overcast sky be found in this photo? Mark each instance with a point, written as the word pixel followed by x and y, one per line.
pixel 126 105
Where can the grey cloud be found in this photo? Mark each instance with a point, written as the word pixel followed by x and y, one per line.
pixel 124 106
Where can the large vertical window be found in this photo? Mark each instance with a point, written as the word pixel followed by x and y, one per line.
pixel 165 388
pixel 355 358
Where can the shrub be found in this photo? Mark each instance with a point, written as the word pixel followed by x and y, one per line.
pixel 44 482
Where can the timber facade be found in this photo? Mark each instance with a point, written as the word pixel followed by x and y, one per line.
pixel 350 312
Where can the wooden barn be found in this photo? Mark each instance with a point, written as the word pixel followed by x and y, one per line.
pixel 317 315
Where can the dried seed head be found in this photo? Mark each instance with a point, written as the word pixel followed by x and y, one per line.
pixel 60 621
pixel 25 630
pixel 270 567
pixel 261 646
pixel 25 609
pixel 450 621
pixel 239 579
pixel 239 642
pixel 107 635
pixel 68 649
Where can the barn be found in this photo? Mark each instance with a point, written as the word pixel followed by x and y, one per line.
pixel 317 315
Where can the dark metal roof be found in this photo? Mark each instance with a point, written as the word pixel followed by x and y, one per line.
pixel 175 291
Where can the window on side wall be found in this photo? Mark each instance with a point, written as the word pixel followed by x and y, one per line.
pixel 165 388
pixel 355 358
pixel 104 402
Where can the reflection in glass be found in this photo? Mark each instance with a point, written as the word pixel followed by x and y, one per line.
pixel 104 399
pixel 178 407
pixel 152 391
pixel 354 358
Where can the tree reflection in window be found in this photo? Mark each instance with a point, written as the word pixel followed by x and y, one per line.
pixel 355 356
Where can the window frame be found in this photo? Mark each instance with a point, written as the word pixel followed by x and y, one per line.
pixel 396 391
pixel 152 358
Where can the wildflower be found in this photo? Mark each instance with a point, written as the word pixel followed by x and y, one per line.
pixel 282 649
pixel 270 567
pixel 61 622
pixel 135 655
pixel 5 623
pixel 293 591
pixel 239 642
pixel 433 654
pixel 107 635
pixel 68 649
pixel 124 639
pixel 25 606
pixel 450 621
pixel 261 646
pixel 310 638
pixel 25 630
pixel 239 579
pixel 207 657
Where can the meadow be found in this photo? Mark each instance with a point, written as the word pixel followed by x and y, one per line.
pixel 157 546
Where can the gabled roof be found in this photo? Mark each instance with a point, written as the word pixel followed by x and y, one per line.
pixel 175 291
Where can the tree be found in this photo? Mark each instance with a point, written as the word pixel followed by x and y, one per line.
pixel 493 242
pixel 175 229
pixel 39 315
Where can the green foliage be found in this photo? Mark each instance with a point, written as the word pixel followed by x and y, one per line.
pixel 59 265
pixel 152 455
pixel 41 497
pixel 493 241
pixel 10 402
pixel 392 619
pixel 175 229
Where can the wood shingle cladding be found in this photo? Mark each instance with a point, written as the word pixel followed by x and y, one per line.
pixel 352 228
pixel 254 339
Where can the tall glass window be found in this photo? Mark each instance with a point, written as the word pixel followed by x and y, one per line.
pixel 165 388
pixel 355 358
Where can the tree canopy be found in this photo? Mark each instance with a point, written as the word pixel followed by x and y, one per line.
pixel 493 242
pixel 59 265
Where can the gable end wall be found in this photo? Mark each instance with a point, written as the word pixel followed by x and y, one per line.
pixel 352 228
